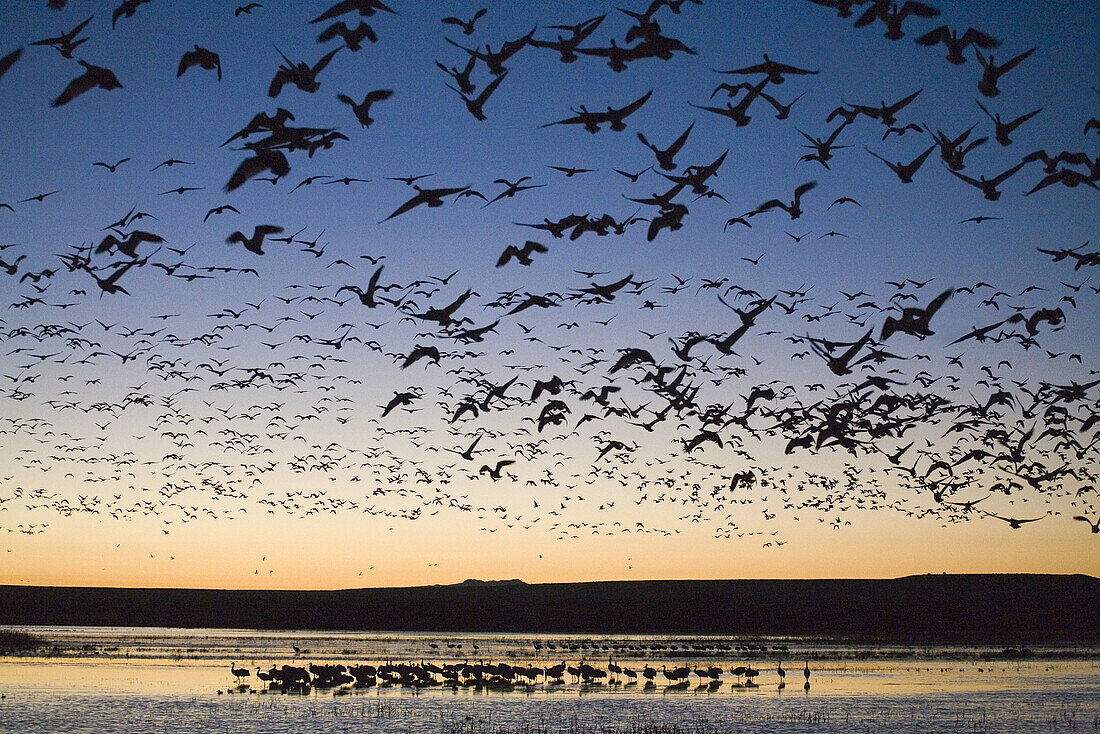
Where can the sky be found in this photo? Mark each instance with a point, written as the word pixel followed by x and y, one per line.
pixel 713 387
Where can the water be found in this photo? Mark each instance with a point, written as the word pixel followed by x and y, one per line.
pixel 107 680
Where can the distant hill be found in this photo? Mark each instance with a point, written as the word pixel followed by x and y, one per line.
pixel 990 609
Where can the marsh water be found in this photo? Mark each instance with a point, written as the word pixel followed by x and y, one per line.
pixel 107 680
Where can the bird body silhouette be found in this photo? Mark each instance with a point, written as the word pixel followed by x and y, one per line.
pixel 93 76
pixel 202 58
pixel 362 109
pixel 255 242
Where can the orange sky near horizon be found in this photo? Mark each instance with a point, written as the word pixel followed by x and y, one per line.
pixel 269 554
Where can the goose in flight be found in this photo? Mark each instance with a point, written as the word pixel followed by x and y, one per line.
pixel 842 364
pixel 592 120
pixel 892 15
pixel 1013 522
pixel 362 109
pixel 567 47
pixel 794 209
pixel 955 43
pixel 365 8
pixel 475 104
pixel 467 26
pixel 255 242
pixel 109 166
pixel 772 69
pixel 988 187
pixel 951 149
pixel 202 58
pixel 66 43
pixel 665 157
pixel 431 197
pixel 992 73
pixel 915 321
pixel 1006 128
pixel 126 10
pixel 352 37
pixel 1094 525
pixel 521 255
pixel 494 471
pixel 301 75
pixel 264 160
pixel 904 171
pixel 93 76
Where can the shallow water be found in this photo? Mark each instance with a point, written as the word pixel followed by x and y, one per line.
pixel 107 680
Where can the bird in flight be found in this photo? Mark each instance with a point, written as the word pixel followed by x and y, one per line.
pixel 431 197
pixel 66 43
pixel 362 109
pixel 591 121
pixel 521 255
pixel 112 167
pixel 255 242
pixel 202 58
pixel 467 26
pixel 93 77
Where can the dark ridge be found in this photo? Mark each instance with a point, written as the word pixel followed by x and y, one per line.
pixel 982 608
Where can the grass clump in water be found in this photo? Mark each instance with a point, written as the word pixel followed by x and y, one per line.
pixel 19 641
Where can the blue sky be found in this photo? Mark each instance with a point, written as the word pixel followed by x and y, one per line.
pixel 897 232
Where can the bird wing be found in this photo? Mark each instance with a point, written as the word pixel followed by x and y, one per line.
pixel 412 203
pixel 919 160
pixel 324 60
pixel 635 105
pixel 509 252
pixel 979 39
pixel 188 60
pixel 1012 63
pixel 679 142
pixel 911 7
pixel 75 88
pixel 939 35
pixel 272 160
pixel 8 61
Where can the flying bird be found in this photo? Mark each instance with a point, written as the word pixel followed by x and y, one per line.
pixel 773 70
pixel 521 255
pixel 431 197
pixel 301 75
pixel 467 26
pixel 992 73
pixel 126 10
pixel 591 121
pixel 352 37
pixel 202 58
pixel 256 241
pixel 955 43
pixel 66 43
pixel 265 159
pixel 93 76
pixel 362 109
pixel 794 209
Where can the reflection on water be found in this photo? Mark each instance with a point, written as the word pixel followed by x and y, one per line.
pixel 126 679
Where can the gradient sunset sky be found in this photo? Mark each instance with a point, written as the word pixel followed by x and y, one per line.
pixel 223 422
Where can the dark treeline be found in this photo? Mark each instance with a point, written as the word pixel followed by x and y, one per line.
pixel 985 609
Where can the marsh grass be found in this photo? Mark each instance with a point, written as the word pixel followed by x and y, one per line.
pixel 19 641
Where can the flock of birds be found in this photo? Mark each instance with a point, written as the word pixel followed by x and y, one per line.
pixel 500 676
pixel 357 384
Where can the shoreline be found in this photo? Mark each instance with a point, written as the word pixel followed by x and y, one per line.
pixel 197 646
pixel 1002 611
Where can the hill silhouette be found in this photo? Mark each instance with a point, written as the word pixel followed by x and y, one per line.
pixel 989 609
